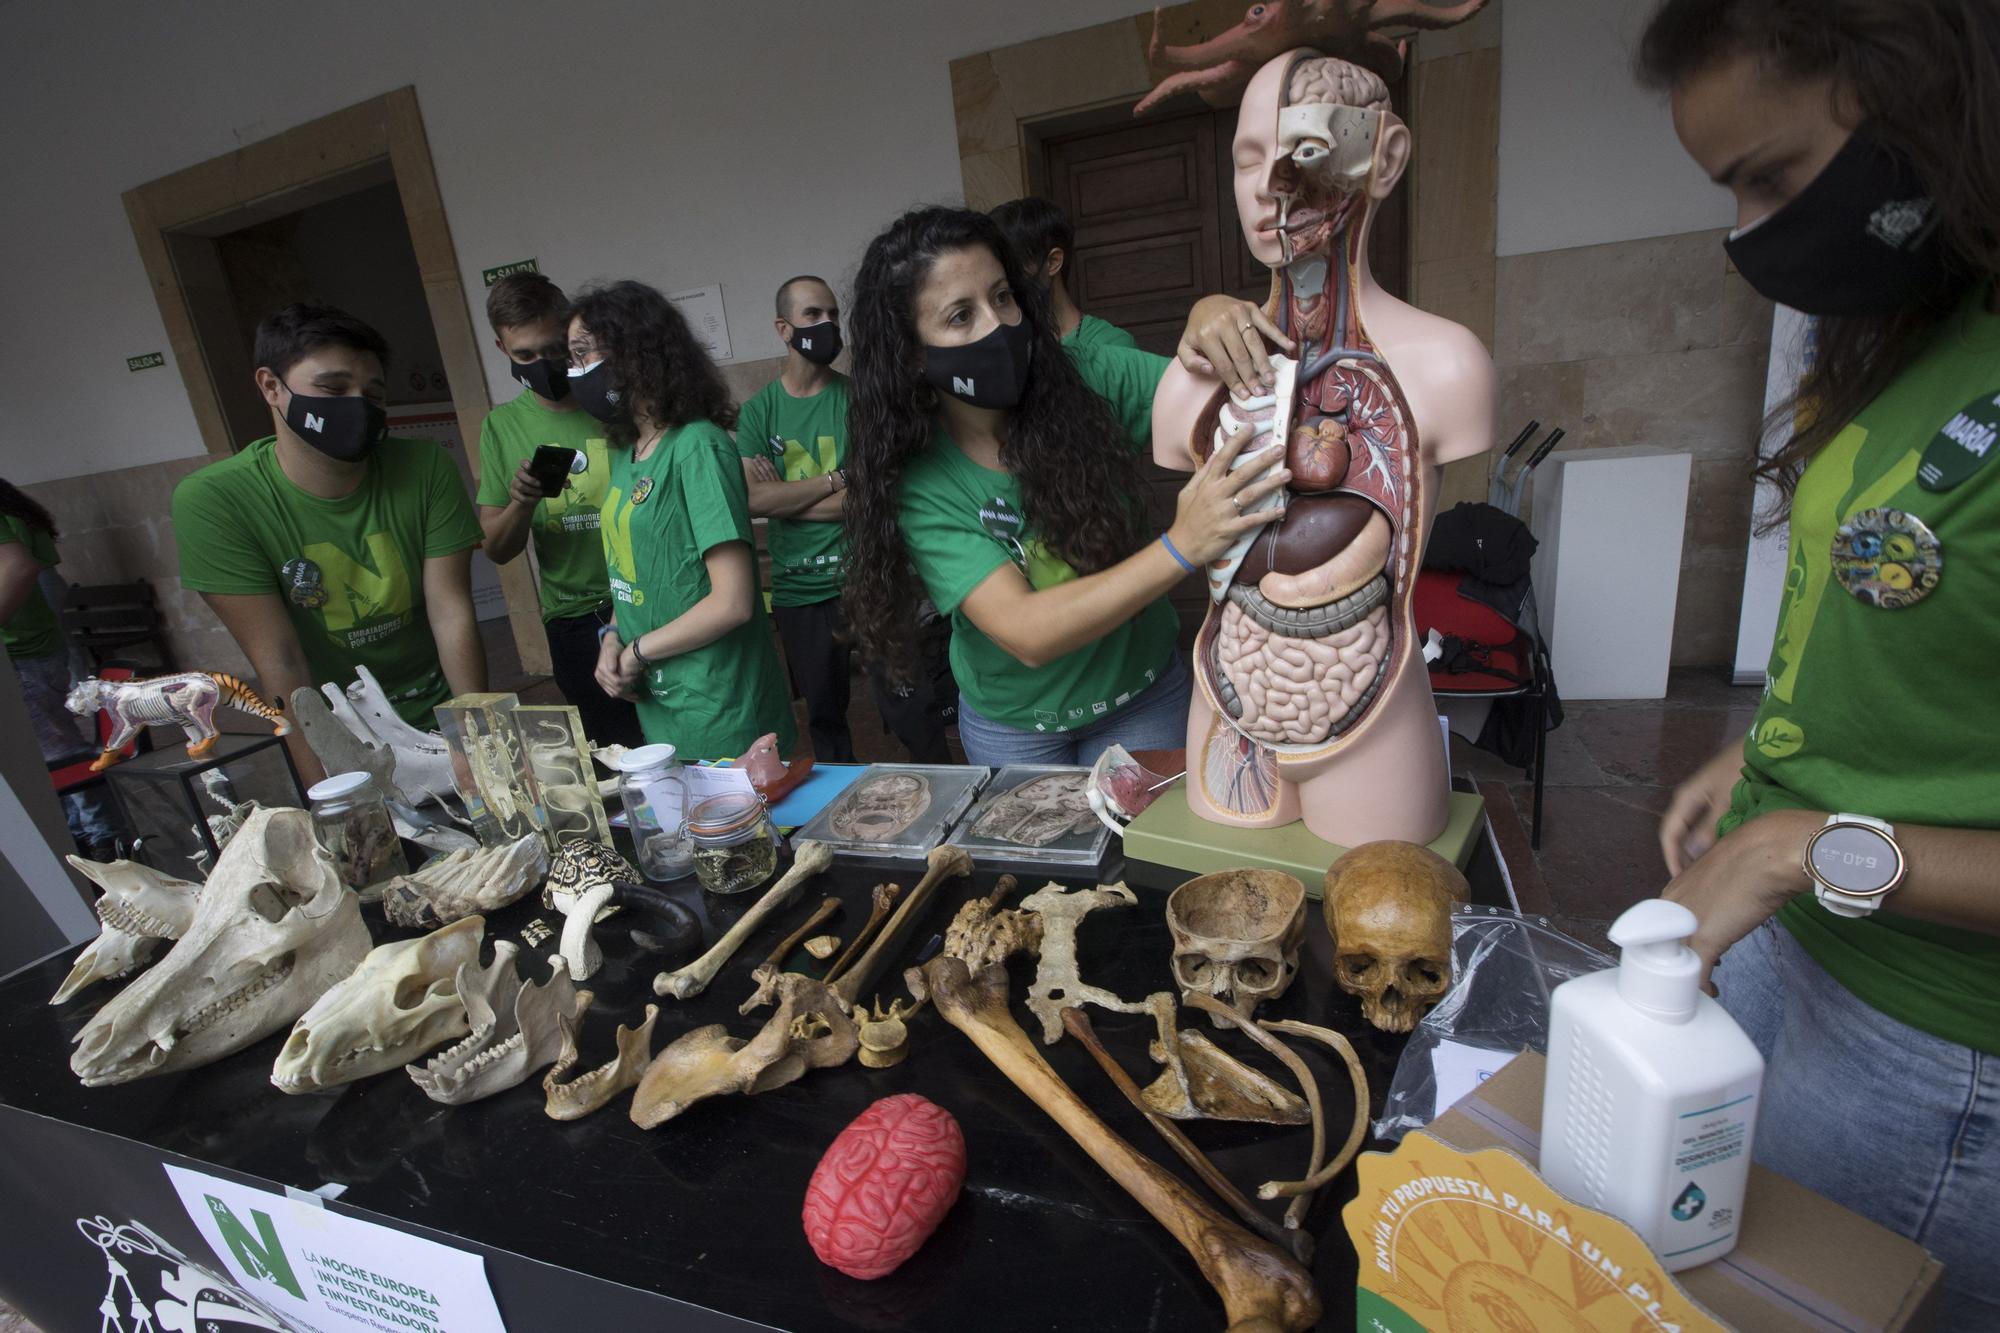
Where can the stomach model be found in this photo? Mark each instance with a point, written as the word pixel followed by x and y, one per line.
pixel 1310 615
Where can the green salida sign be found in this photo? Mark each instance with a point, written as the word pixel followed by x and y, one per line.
pixel 494 274
pixel 146 362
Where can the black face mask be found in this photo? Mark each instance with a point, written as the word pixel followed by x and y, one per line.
pixel 548 378
pixel 344 427
pixel 1861 239
pixel 592 387
pixel 992 372
pixel 818 343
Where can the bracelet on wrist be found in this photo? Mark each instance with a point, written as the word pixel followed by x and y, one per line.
pixel 637 656
pixel 1175 552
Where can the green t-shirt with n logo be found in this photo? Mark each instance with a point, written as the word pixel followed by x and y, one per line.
pixel 568 547
pixel 350 572
pixel 802 438
pixel 1894 712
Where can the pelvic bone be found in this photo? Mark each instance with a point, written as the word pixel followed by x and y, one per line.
pixel 810 1030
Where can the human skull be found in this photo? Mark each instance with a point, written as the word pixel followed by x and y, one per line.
pixel 399 1003
pixel 273 928
pixel 1236 936
pixel 1389 905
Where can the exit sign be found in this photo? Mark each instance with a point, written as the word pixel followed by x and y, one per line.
pixel 493 275
pixel 146 362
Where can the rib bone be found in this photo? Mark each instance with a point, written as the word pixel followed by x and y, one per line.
pixel 944 863
pixel 884 898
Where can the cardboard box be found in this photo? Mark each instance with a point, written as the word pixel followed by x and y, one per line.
pixel 1803 1263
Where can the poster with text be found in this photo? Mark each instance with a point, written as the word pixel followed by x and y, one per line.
pixel 328 1273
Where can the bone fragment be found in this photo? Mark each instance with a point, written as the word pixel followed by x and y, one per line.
pixel 587 1092
pixel 810 1030
pixel 767 972
pixel 777 956
pixel 1203 1081
pixel 983 933
pixel 1061 911
pixel 809 859
pixel 883 898
pixel 821 947
pixel 1261 1286
pixel 944 863
pixel 1298 1242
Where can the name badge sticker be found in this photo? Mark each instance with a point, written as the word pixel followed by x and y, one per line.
pixel 1962 446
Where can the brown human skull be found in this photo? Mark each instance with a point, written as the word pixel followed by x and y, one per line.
pixel 1388 905
pixel 1237 935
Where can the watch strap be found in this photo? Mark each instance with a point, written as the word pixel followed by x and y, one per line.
pixel 1847 904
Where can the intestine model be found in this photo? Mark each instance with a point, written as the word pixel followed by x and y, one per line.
pixel 1312 701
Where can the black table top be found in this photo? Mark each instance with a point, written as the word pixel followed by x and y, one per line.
pixel 706 1208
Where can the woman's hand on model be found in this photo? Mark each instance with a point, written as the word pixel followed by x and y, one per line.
pixel 1687 829
pixel 1225 337
pixel 1216 506
pixel 1740 882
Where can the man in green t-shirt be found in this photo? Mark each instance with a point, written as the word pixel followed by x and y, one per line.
pixel 330 545
pixel 530 319
pixel 1043 238
pixel 792 435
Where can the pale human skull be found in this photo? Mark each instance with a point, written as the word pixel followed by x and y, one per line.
pixel 401 1002
pixel 1236 936
pixel 1389 905
pixel 273 928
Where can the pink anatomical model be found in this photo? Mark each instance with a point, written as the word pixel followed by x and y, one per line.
pixel 884 1185
pixel 1311 698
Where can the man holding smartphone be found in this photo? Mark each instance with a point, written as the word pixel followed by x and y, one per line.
pixel 542 475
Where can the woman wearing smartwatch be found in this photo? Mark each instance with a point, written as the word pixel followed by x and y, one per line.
pixel 689 644
pixel 1844 857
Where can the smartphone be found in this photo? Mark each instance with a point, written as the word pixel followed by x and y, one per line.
pixel 550 467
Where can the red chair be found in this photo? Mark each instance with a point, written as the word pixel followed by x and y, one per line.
pixel 70 775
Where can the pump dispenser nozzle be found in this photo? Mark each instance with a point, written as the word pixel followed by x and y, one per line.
pixel 1657 972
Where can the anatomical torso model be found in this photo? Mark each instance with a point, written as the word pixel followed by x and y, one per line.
pixel 1312 701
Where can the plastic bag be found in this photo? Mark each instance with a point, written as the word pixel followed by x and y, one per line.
pixel 1503 967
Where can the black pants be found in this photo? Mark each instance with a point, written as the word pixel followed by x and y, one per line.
pixel 573 659
pixel 816 647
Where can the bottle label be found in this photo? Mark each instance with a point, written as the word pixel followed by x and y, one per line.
pixel 1710 1168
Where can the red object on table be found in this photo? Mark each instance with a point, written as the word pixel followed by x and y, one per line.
pixel 772 777
pixel 883 1186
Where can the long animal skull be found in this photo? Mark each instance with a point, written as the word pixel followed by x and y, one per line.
pixel 273 928
pixel 515 1030
pixel 139 910
pixel 1237 935
pixel 400 1002
pixel 1389 905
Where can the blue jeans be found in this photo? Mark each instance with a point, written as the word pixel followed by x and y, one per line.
pixel 1155 720
pixel 1896 1124
pixel 44 686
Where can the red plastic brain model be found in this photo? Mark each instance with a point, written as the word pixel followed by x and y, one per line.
pixel 884 1185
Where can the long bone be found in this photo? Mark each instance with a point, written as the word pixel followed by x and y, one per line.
pixel 883 897
pixel 809 858
pixel 1261 1286
pixel 766 972
pixel 1301 1200
pixel 1317 1180
pixel 944 863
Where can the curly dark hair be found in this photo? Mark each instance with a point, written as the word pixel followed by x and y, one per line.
pixel 1926 78
pixel 654 358
pixel 1079 476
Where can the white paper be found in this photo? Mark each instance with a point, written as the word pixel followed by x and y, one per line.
pixel 706 782
pixel 702 307
pixel 328 1273
pixel 1459 1069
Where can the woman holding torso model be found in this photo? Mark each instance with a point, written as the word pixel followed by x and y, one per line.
pixel 1843 854
pixel 690 644
pixel 998 466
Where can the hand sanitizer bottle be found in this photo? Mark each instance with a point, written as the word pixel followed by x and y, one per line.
pixel 1652 1093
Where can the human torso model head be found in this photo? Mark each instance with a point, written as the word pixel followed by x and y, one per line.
pixel 1312 701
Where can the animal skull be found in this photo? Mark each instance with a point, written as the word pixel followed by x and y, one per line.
pixel 1389 905
pixel 514 1030
pixel 139 908
pixel 400 1002
pixel 1236 937
pixel 273 928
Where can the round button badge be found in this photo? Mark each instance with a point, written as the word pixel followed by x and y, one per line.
pixel 1887 558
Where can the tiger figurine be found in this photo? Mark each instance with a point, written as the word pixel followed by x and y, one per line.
pixel 188 700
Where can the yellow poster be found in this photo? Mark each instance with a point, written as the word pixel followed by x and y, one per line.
pixel 1477 1243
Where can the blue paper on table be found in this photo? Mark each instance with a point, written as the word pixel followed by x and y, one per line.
pixel 815 794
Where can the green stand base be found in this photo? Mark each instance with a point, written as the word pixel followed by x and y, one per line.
pixel 1169 834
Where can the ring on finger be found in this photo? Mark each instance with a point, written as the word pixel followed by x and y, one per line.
pixel 1237 500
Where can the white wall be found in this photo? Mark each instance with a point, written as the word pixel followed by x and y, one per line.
pixel 1587 156
pixel 678 143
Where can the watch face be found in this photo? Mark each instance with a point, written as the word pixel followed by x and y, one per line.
pixel 1855 859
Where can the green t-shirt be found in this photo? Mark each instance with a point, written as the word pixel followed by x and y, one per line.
pixel 1095 332
pixel 1893 713
pixel 32 630
pixel 962 521
pixel 349 571
pixel 660 517
pixel 803 438
pixel 568 546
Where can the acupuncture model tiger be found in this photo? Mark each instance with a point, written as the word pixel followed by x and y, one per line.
pixel 187 700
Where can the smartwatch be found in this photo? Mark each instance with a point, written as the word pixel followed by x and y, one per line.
pixel 1854 863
